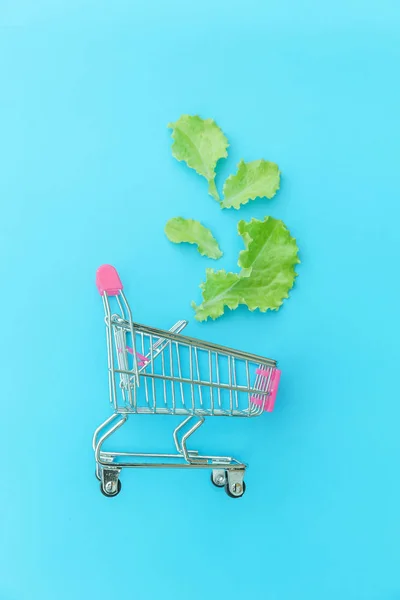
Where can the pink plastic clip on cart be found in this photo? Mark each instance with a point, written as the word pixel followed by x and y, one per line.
pixel 158 372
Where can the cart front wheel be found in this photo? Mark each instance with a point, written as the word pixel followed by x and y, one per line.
pixel 239 492
pixel 105 493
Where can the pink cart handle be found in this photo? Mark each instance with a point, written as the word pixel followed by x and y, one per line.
pixel 107 280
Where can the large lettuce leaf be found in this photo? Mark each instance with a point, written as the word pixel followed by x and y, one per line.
pixel 180 230
pixel 200 143
pixel 267 272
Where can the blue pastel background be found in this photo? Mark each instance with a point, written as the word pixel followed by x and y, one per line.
pixel 87 177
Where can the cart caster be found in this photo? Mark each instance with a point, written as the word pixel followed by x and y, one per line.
pixel 239 490
pixel 110 494
pixel 235 487
pixel 110 484
pixel 218 478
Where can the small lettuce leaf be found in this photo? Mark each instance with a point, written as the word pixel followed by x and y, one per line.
pixel 180 230
pixel 200 143
pixel 256 179
pixel 267 272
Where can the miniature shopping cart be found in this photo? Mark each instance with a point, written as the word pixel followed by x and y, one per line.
pixel 157 372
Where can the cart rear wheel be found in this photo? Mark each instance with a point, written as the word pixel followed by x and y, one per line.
pixel 111 495
pixel 218 479
pixel 228 491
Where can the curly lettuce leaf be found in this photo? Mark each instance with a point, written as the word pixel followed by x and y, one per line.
pixel 180 230
pixel 267 272
pixel 200 143
pixel 256 179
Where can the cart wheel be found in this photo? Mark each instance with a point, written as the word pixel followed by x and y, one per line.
pixel 111 495
pixel 227 490
pixel 220 479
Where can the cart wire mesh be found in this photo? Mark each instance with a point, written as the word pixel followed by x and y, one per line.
pixel 153 371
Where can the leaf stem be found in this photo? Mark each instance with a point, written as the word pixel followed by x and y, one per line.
pixel 212 190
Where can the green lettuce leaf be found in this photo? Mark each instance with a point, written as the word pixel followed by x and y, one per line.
pixel 267 272
pixel 256 179
pixel 200 143
pixel 180 230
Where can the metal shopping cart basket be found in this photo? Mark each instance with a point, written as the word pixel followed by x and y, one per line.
pixel 157 372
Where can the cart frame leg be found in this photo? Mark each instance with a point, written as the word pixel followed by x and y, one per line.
pixel 189 455
pixel 106 472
